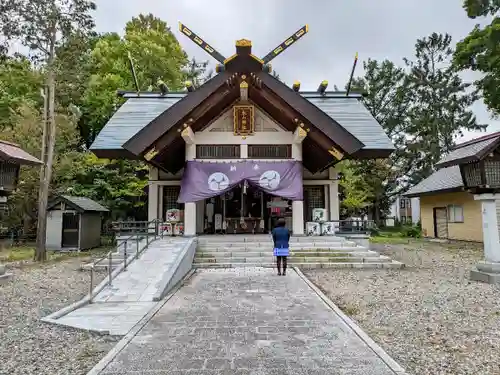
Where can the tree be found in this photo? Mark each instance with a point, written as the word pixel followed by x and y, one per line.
pixel 353 189
pixel 422 107
pixel 156 54
pixel 441 105
pixel 197 72
pixel 27 130
pixel 479 51
pixel 117 184
pixel 41 25
pixel 387 96
pixel 19 85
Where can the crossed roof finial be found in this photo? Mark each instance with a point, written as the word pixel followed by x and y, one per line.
pixel 243 43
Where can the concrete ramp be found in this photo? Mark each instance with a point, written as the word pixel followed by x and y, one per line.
pixel 116 308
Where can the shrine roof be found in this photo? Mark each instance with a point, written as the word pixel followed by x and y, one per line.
pixel 13 153
pixel 141 108
pixel 445 180
pixel 470 151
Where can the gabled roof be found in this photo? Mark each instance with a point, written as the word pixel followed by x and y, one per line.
pixel 473 150
pixel 448 177
pixel 81 204
pixel 352 114
pixel 445 180
pixel 134 115
pixel 318 118
pixel 13 153
pixel 146 136
pixel 138 111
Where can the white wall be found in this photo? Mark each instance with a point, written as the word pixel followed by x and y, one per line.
pixel 54 230
pixel 415 210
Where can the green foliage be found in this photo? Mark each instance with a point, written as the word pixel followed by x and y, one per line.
pixel 480 51
pixel 27 132
pixel 411 231
pixel 103 67
pixel 441 109
pixel 423 106
pixel 19 85
pixel 197 72
pixel 119 185
pixel 354 189
pixel 42 25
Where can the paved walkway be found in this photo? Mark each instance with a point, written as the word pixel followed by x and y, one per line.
pixel 117 308
pixel 246 321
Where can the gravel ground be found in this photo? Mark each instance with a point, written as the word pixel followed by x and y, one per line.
pixel 29 346
pixel 429 317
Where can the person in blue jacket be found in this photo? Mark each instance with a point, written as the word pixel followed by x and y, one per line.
pixel 281 237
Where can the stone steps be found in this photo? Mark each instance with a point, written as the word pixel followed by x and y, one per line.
pixel 269 248
pixel 269 242
pixel 311 253
pixel 391 264
pixel 292 259
pixel 305 252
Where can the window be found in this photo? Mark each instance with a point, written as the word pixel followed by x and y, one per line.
pixel 218 151
pixel 404 203
pixel 170 196
pixel 455 214
pixel 314 197
pixel 270 151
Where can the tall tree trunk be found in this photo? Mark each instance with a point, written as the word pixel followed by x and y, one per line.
pixel 377 211
pixel 41 237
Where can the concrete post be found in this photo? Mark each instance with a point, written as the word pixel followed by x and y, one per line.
pixel 190 207
pixel 153 194
pixel 334 194
pixel 298 206
pixel 298 218
pixel 489 269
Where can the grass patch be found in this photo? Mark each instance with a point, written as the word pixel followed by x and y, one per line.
pixel 26 253
pixel 391 240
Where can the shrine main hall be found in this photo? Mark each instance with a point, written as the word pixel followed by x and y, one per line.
pixel 243 148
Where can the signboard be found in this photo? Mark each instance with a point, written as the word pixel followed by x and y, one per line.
pixel 276 204
pixel 244 117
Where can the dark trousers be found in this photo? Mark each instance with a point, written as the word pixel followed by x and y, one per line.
pixel 281 260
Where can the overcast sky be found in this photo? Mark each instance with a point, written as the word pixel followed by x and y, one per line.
pixel 337 29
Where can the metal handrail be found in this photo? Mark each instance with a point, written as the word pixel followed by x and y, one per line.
pixel 124 242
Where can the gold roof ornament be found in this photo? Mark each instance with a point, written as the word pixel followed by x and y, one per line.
pixel 151 154
pixel 243 43
pixel 336 153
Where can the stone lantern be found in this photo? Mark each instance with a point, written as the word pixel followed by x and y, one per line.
pixel 479 165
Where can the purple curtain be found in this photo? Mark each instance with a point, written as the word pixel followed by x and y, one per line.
pixel 203 180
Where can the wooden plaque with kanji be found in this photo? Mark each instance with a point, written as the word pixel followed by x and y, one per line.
pixel 243 119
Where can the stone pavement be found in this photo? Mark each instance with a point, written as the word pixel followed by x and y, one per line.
pixel 246 321
pixel 117 308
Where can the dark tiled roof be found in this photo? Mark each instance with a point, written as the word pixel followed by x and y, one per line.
pixel 80 203
pixel 137 112
pixel 448 178
pixel 13 153
pixel 443 180
pixel 131 117
pixel 470 151
pixel 356 119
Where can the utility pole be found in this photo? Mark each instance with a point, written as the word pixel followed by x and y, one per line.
pixel 42 191
pixel 50 133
